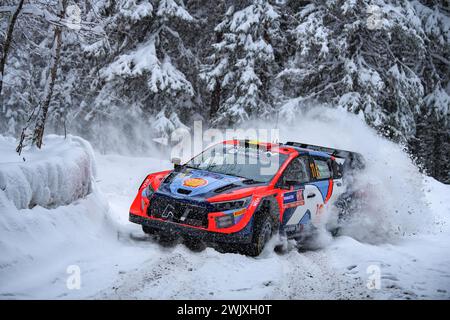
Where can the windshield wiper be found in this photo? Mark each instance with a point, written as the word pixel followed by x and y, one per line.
pixel 211 167
pixel 190 167
pixel 250 181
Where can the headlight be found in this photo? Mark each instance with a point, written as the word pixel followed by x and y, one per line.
pixel 228 220
pixel 231 205
pixel 225 221
pixel 148 191
pixel 146 194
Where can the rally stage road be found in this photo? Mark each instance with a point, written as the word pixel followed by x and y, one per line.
pixel 44 250
pixel 413 267
pixel 177 272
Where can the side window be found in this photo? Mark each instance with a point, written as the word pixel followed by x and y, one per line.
pixel 297 170
pixel 323 170
pixel 337 169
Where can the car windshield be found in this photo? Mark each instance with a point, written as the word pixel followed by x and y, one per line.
pixel 249 162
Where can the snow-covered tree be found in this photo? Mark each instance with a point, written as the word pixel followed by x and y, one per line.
pixel 7 43
pixel 20 79
pixel 136 70
pixel 362 56
pixel 241 64
pixel 138 63
pixel 431 143
pixel 49 23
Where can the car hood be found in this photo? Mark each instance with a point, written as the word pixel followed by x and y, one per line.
pixel 194 183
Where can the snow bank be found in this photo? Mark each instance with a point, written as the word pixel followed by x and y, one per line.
pixel 57 175
pixel 51 214
pixel 37 245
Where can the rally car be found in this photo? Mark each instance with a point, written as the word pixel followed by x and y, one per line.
pixel 240 193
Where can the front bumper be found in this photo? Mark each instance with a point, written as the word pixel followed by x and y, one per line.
pixel 243 236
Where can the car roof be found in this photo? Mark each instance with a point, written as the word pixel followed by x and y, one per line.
pixel 311 152
pixel 281 147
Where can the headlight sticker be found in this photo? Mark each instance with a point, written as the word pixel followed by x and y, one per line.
pixel 239 212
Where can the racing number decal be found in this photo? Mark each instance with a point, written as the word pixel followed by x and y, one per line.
pixel 314 170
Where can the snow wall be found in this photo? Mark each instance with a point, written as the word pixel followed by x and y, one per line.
pixel 49 203
pixel 57 175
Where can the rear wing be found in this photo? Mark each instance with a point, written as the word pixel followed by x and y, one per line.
pixel 353 160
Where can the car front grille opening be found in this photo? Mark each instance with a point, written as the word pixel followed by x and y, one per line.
pixel 178 212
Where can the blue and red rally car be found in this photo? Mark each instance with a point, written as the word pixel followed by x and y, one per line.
pixel 239 193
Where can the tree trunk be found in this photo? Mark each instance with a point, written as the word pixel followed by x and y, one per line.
pixel 7 44
pixel 48 92
pixel 215 95
pixel 215 100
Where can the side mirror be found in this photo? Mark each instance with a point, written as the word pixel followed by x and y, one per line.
pixel 289 183
pixel 176 163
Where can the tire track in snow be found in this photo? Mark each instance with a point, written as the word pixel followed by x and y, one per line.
pixel 309 275
pixel 156 278
pixel 178 273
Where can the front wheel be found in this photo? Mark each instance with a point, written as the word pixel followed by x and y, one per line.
pixel 167 239
pixel 265 227
pixel 149 230
pixel 194 245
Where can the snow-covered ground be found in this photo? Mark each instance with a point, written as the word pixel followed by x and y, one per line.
pixel 42 242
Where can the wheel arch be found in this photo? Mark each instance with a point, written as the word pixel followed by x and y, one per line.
pixel 267 205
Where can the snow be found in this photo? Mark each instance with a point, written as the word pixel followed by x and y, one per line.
pixel 142 59
pixel 246 18
pixel 41 178
pixel 136 11
pixel 350 101
pixel 439 100
pixel 169 8
pixel 371 78
pixel 405 233
pixel 435 23
pixel 163 75
pixel 411 268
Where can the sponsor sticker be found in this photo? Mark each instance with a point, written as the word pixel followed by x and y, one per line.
pixel 194 182
pixel 293 199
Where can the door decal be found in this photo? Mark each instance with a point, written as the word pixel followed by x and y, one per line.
pixel 294 229
pixel 293 199
pixel 323 186
pixel 330 190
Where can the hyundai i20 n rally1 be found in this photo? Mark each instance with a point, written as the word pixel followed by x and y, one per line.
pixel 239 193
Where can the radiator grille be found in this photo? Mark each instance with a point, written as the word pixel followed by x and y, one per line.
pixel 178 211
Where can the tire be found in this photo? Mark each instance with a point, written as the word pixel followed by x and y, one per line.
pixel 149 230
pixel 194 245
pixel 266 224
pixel 166 239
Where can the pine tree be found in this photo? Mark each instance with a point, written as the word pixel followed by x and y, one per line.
pixel 360 57
pixel 241 63
pixel 7 43
pixel 42 16
pixel 135 70
pixel 139 62
pixel 431 143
